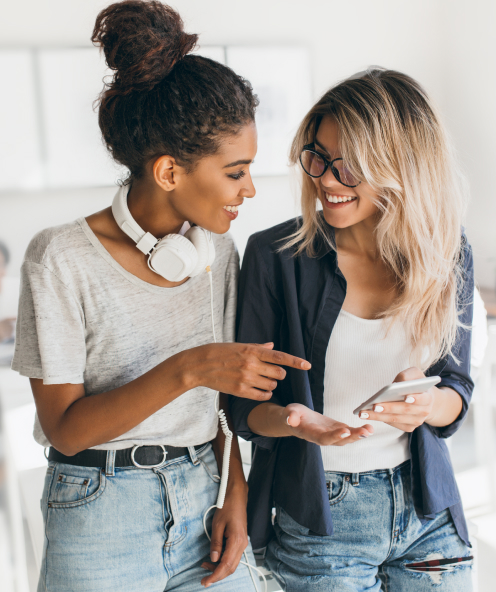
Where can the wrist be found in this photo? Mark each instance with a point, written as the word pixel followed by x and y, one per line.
pixel 237 486
pixel 286 429
pixel 270 420
pixel 446 407
pixel 435 405
pixel 186 364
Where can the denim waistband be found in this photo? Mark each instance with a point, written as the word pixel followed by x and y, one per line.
pixel 355 477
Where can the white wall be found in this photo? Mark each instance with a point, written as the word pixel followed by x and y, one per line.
pixel 446 44
pixel 470 110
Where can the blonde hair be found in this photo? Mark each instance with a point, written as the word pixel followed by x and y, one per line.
pixel 391 138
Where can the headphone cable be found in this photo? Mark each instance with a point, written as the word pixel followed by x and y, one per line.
pixel 227 452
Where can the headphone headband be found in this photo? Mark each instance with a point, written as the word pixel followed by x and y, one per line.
pixel 144 240
pixel 174 257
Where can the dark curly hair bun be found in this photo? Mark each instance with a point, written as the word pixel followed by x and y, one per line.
pixel 162 100
pixel 142 41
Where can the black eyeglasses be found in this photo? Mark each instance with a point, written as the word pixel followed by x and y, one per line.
pixel 316 164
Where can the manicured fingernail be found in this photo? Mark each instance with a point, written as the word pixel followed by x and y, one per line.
pixel 345 435
pixel 214 556
pixel 378 408
pixel 362 436
pixel 364 415
pixel 287 420
pixel 306 365
pixel 410 400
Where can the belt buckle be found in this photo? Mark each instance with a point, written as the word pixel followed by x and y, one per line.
pixel 147 466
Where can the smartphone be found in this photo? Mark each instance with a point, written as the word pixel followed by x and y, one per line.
pixel 398 391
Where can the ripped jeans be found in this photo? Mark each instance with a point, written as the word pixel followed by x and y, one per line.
pixel 378 542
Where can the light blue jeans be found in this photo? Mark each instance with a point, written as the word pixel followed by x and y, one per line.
pixel 132 530
pixel 377 537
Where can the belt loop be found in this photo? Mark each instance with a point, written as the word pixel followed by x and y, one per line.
pixel 194 457
pixel 110 465
pixel 355 479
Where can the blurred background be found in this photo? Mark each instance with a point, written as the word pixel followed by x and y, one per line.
pixel 53 169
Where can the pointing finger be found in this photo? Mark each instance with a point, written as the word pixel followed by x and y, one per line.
pixel 284 359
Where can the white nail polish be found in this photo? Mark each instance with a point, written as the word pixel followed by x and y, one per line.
pixel 364 415
pixel 378 408
pixel 345 435
pixel 410 400
pixel 287 420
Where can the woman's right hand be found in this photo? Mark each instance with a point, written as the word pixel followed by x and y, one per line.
pixel 319 429
pixel 245 370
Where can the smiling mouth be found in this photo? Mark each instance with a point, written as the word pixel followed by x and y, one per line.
pixel 339 198
pixel 232 209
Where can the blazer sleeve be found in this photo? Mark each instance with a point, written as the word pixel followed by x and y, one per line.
pixel 456 373
pixel 257 321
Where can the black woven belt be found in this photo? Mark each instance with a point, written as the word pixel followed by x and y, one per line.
pixel 146 456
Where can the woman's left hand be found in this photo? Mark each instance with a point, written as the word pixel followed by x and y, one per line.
pixel 416 409
pixel 229 524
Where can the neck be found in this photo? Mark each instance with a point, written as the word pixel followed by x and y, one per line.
pixel 150 206
pixel 358 239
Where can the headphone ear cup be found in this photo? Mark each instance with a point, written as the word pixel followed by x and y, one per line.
pixel 202 240
pixel 174 258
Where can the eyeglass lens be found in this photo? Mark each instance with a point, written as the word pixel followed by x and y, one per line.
pixel 344 175
pixel 314 165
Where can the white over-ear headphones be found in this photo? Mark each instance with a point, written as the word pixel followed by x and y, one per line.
pixel 174 257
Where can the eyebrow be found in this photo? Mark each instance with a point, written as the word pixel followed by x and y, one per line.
pixel 320 145
pixel 236 163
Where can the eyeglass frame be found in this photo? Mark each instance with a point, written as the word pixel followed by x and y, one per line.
pixel 328 164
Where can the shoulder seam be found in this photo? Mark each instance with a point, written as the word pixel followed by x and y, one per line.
pixel 49 244
pixel 55 239
pixel 44 266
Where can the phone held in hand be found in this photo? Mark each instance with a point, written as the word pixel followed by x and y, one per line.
pixel 398 391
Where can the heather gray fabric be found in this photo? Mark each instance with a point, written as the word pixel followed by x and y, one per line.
pixel 84 319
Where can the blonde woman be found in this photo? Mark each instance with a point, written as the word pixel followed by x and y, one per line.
pixel 375 288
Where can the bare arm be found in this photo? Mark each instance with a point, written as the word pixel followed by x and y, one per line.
pixel 438 407
pixel 269 419
pixel 447 407
pixel 73 422
pixel 229 522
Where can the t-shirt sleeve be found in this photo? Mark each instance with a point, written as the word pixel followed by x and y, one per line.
pixel 50 335
pixel 230 296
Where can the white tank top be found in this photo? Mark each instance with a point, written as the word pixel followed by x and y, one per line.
pixel 360 360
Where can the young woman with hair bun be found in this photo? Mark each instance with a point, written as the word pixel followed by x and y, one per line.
pixel 374 286
pixel 118 341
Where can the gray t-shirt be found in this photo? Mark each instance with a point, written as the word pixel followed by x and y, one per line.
pixel 84 319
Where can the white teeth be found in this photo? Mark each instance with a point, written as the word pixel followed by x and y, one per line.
pixel 338 198
pixel 232 209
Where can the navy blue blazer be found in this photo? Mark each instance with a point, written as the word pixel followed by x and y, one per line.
pixel 294 301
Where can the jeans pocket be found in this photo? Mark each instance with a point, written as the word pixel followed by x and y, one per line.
pixel 73 486
pixel 337 487
pixel 209 463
